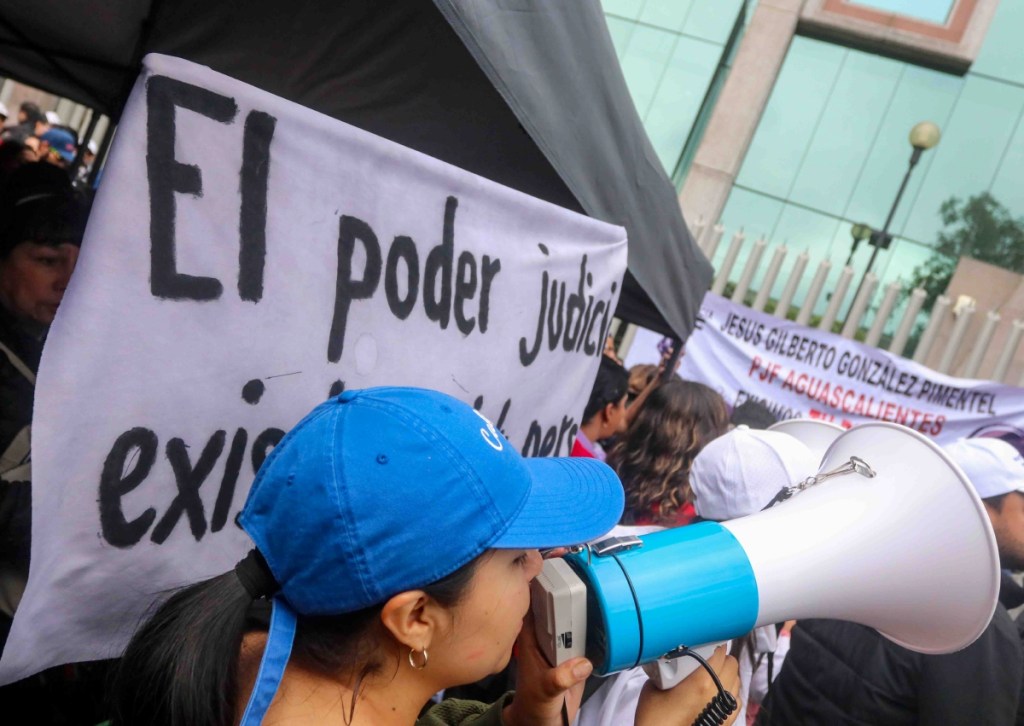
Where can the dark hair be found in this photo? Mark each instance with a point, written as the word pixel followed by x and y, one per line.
pixel 10 159
pixel 752 414
pixel 182 665
pixel 610 386
pixel 996 502
pixel 38 205
pixel 654 457
pixel 33 113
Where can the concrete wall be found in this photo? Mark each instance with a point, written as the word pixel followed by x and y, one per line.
pixel 992 288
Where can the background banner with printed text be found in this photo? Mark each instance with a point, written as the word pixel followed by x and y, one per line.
pixel 798 371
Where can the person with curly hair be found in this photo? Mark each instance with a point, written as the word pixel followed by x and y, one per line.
pixel 654 456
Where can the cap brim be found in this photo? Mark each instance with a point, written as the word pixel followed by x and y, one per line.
pixel 572 500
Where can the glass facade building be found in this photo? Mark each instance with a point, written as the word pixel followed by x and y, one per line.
pixel 831 146
pixel 671 52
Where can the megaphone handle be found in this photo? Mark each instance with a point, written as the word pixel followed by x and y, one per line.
pixel 665 673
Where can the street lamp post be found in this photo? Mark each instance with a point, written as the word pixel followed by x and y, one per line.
pixel 859 232
pixel 923 136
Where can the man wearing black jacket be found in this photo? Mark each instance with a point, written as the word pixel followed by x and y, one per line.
pixel 844 674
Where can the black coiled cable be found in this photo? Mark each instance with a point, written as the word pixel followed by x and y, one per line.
pixel 717 711
pixel 721 706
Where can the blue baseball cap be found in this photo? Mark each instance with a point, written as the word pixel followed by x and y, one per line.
pixel 383 490
pixel 61 141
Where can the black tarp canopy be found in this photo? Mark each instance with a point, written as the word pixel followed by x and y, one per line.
pixel 528 93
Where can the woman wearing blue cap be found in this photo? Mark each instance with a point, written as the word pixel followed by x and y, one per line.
pixel 396 535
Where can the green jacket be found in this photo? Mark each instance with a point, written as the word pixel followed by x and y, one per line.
pixel 454 712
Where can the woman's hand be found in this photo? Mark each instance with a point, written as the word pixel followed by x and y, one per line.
pixel 684 702
pixel 541 690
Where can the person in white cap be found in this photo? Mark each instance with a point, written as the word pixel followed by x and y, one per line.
pixel 994 466
pixel 736 475
pixel 739 473
pixel 844 674
pixel 996 469
pixel 85 168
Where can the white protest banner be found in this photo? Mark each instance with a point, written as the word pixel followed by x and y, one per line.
pixel 246 258
pixel 798 371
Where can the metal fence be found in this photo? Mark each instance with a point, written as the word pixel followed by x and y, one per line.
pixel 945 320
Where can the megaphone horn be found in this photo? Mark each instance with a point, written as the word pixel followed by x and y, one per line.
pixel 816 434
pixel 909 551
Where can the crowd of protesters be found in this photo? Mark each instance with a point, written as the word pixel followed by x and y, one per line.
pixel 673 444
pixel 33 136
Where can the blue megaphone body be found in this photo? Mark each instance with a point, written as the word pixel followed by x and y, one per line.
pixel 683 586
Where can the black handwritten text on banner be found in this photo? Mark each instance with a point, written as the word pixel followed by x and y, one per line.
pixel 245 259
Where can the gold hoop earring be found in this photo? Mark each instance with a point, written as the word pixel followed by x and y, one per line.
pixel 412 660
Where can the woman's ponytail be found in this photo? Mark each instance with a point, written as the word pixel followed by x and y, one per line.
pixel 181 667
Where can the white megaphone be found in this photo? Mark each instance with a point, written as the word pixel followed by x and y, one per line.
pixel 889 534
pixel 815 434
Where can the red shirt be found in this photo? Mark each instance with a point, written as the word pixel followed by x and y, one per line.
pixel 578 449
pixel 684 515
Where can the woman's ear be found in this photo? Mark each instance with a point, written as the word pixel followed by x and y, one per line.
pixel 414 619
pixel 607 414
pixel 611 417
